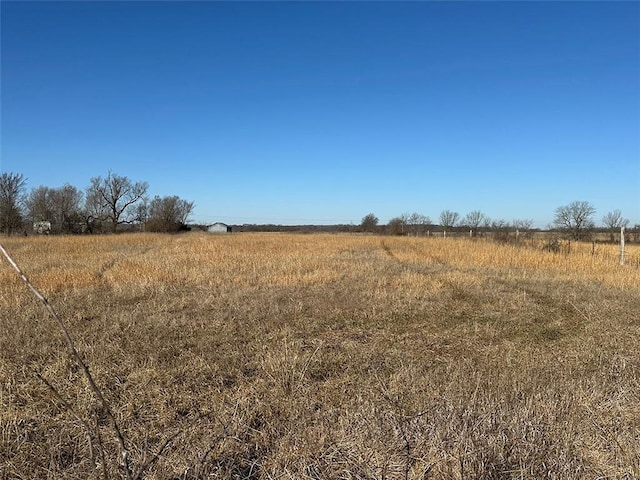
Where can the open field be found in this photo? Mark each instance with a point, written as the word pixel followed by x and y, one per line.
pixel 321 357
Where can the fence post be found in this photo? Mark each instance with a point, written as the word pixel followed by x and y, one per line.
pixel 621 245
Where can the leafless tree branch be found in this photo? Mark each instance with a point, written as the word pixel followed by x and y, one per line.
pixel 78 359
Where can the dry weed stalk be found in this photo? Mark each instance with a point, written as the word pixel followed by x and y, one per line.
pixel 124 453
pixel 75 415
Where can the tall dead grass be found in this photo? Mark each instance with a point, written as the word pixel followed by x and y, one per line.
pixel 324 356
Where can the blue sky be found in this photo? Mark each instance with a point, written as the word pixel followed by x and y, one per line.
pixel 321 112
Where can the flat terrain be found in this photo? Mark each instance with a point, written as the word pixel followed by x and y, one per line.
pixel 264 356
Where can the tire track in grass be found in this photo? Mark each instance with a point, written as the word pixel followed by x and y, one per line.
pixel 106 267
pixel 486 295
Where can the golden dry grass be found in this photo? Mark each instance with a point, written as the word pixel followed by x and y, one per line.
pixel 324 356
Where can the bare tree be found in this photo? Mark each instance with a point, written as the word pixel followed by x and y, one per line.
pixel 576 218
pixel 94 210
pixel 523 227
pixel 114 198
pixel 142 211
pixel 500 228
pixel 499 224
pixel 473 220
pixel 66 202
pixel 12 192
pixel 419 219
pixel 369 223
pixel 397 226
pixel 408 224
pixel 60 206
pixel 448 219
pixel 613 221
pixel 168 214
pixel 38 204
pixel 523 224
pixel 415 223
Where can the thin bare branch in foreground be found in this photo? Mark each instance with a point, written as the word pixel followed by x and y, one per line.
pixel 75 415
pixel 78 359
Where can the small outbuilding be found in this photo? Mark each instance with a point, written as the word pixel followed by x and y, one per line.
pixel 43 228
pixel 219 227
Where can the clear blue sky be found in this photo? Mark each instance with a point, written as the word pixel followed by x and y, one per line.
pixel 317 112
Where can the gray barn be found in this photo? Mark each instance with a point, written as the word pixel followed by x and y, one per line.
pixel 219 227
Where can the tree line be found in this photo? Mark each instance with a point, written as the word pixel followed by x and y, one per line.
pixel 575 220
pixel 106 205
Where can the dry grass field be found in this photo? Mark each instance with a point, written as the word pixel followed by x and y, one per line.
pixel 282 356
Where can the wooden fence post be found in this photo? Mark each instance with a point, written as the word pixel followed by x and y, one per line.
pixel 621 245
